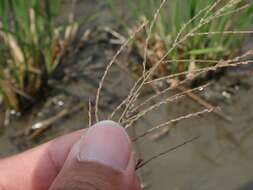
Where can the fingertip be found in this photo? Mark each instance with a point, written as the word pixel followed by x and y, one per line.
pixel 106 143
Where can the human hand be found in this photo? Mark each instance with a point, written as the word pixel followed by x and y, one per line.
pixel 98 158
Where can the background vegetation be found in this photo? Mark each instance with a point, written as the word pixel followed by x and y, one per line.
pixel 32 46
pixel 208 24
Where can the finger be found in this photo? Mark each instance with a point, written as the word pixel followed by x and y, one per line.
pixel 102 159
pixel 37 168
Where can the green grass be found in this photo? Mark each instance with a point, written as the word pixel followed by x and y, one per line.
pixel 31 47
pixel 235 15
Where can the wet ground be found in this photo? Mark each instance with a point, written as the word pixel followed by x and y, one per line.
pixel 221 158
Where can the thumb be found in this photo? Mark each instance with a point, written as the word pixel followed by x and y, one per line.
pixel 101 159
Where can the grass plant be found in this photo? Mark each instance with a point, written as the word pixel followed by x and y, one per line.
pixel 31 47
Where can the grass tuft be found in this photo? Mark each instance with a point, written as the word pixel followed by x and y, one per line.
pixel 32 46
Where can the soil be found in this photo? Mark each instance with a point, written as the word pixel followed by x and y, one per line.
pixel 221 158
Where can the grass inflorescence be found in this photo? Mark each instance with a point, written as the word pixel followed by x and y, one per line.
pixel 179 41
pixel 192 34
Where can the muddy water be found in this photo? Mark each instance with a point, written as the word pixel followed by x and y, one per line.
pixel 221 158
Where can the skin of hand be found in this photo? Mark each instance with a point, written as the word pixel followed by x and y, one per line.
pixel 98 158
